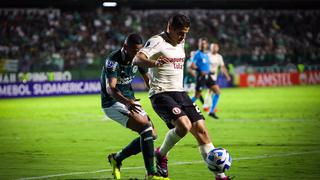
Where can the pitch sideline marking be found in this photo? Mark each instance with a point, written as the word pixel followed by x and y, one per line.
pixel 172 164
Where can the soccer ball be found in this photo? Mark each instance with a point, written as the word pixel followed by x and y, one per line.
pixel 219 160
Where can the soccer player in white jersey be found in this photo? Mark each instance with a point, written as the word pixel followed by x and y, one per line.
pixel 215 61
pixel 165 55
pixel 200 63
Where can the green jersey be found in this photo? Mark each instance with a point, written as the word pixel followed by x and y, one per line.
pixel 117 67
pixel 188 78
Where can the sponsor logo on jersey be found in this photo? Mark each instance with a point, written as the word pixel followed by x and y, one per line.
pixel 111 64
pixel 126 80
pixel 172 60
pixel 176 110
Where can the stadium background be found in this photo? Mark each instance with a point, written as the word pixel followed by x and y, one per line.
pixel 50 48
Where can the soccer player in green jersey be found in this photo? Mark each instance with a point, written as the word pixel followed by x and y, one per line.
pixel 119 104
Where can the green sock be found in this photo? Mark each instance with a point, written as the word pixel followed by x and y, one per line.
pixel 131 149
pixel 147 149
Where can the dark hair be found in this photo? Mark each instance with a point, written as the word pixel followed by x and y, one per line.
pixel 203 39
pixel 178 21
pixel 133 39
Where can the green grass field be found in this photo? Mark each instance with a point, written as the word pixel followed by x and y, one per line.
pixel 271 133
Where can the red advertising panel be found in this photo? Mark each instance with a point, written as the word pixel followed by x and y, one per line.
pixel 279 79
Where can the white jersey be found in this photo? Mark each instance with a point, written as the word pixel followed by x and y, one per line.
pixel 167 77
pixel 216 61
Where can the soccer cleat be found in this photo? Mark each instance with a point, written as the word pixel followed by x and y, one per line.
pixel 156 177
pixel 162 164
pixel 225 178
pixel 115 166
pixel 206 109
pixel 212 114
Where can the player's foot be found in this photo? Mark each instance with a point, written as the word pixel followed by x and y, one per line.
pixel 212 114
pixel 156 177
pixel 162 164
pixel 225 178
pixel 115 166
pixel 206 109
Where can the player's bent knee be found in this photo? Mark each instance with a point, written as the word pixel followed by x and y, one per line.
pixel 183 128
pixel 145 128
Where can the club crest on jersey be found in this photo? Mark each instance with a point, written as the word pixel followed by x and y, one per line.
pixel 134 69
pixel 204 60
pixel 176 110
pixel 151 44
pixel 147 44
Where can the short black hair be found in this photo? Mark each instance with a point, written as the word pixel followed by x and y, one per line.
pixel 203 39
pixel 178 21
pixel 133 39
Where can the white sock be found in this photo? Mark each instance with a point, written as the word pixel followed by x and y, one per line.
pixel 170 140
pixel 208 99
pixel 220 175
pixel 204 150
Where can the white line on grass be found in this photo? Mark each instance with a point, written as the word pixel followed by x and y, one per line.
pixel 171 164
pixel 269 120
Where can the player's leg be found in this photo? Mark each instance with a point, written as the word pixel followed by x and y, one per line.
pixel 136 122
pixel 198 128
pixel 207 101
pixel 173 136
pixel 201 99
pixel 200 132
pixel 197 95
pixel 199 86
pixel 140 123
pixel 182 126
pixel 115 113
pixel 215 98
pixel 168 109
pixel 133 147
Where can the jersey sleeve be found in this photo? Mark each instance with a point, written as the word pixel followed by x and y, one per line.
pixel 111 68
pixel 152 46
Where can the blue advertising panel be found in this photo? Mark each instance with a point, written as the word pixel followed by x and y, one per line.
pixel 222 81
pixel 33 89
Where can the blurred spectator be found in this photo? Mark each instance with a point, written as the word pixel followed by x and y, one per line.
pixel 61 40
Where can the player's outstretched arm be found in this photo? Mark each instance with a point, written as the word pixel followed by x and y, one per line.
pixel 142 60
pixel 225 72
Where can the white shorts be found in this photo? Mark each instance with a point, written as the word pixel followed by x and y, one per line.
pixel 119 113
